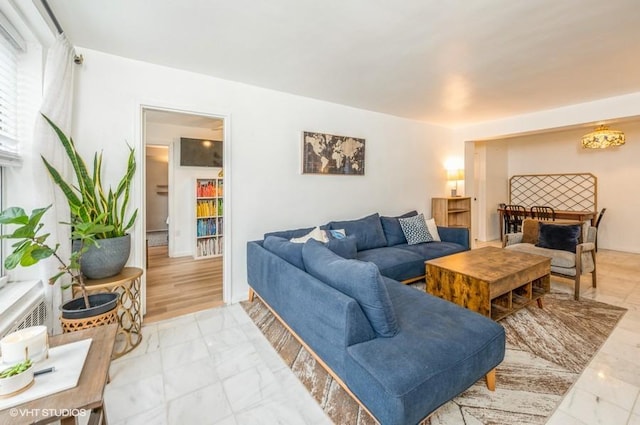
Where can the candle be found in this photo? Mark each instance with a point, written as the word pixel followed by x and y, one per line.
pixel 32 340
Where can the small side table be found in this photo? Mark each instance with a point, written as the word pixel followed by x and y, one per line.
pixel 127 284
pixel 87 395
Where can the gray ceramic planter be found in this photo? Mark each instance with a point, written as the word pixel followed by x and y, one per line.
pixel 107 260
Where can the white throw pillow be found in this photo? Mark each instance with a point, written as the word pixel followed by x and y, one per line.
pixel 433 229
pixel 316 233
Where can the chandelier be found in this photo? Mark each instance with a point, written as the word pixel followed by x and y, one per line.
pixel 602 138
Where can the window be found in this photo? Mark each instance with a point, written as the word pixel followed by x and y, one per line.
pixel 11 44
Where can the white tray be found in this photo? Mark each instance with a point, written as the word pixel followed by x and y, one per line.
pixel 68 360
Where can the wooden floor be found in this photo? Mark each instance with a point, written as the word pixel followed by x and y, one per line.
pixel 177 286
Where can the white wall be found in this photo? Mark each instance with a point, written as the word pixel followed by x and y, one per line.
pixel 491 186
pixel 404 158
pixel 157 187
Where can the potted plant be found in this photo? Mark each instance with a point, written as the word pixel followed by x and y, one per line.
pixel 31 247
pixel 90 203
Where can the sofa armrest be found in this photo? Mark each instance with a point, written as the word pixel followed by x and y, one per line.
pixel 511 239
pixel 588 246
pixel 459 235
pixel 328 326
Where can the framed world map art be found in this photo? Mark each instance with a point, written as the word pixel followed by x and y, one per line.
pixel 330 154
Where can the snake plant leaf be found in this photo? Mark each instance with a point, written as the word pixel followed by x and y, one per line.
pixel 131 221
pixel 67 190
pixel 90 198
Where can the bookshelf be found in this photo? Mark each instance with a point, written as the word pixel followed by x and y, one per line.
pixel 209 221
pixel 452 211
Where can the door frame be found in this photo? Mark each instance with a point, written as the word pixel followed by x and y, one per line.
pixel 140 196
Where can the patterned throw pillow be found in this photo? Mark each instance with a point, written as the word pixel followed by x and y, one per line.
pixel 415 229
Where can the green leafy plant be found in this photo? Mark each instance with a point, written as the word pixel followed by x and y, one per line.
pixel 31 245
pixel 88 201
pixel 16 369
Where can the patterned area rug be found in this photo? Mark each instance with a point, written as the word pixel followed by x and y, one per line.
pixel 547 349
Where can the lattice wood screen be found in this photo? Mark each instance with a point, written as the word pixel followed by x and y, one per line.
pixel 569 192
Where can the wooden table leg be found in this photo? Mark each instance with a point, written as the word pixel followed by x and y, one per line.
pixel 540 305
pixel 97 417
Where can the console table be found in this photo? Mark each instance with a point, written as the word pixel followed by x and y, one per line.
pixel 129 311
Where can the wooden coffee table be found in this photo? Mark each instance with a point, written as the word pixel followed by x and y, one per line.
pixel 491 281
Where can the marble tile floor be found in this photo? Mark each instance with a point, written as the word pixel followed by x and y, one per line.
pixel 215 367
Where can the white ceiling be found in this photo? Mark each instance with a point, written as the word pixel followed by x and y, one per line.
pixel 448 62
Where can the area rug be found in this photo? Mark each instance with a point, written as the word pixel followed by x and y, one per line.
pixel 547 349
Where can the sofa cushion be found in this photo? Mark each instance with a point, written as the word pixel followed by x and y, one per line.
pixel 440 350
pixel 531 228
pixel 432 227
pixel 428 251
pixel 530 231
pixel 291 252
pixel 415 229
pixel 346 247
pixel 559 258
pixel 560 237
pixel 285 249
pixel 398 264
pixel 367 230
pixel 357 279
pixel 392 230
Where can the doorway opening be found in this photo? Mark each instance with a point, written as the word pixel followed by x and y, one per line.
pixel 180 279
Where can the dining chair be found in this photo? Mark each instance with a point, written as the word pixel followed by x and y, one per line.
pixel 543 213
pixel 599 219
pixel 514 216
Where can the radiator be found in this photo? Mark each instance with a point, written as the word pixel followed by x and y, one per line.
pixel 22 304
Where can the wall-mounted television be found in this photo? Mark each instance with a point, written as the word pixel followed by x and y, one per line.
pixel 200 153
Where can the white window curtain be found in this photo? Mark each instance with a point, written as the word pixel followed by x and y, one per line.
pixel 57 105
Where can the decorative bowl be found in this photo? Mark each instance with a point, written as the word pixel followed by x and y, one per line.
pixel 15 383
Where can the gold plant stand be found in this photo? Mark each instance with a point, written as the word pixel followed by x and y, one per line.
pixel 128 310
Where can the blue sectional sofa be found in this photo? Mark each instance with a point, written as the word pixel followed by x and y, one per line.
pixel 400 352
pixel 380 240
